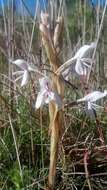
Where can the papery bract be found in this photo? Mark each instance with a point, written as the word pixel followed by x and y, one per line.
pixel 44 18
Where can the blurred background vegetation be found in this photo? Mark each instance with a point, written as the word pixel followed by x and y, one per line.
pixel 24 140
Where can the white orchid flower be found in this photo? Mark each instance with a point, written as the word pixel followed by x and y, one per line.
pixel 89 100
pixel 25 71
pixel 44 97
pixel 46 94
pixel 81 60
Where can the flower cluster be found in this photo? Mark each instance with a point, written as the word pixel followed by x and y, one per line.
pixel 79 64
pixel 46 93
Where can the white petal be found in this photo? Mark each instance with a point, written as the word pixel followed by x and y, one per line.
pixel 105 92
pixel 81 51
pixel 67 64
pixel 89 110
pixel 87 60
pixel 97 107
pixel 86 65
pixel 66 74
pixel 89 106
pixel 93 96
pixel 39 100
pixel 21 63
pixel 31 68
pixel 80 68
pixel 85 51
pixel 18 78
pixel 25 78
pixel 44 83
pixel 17 73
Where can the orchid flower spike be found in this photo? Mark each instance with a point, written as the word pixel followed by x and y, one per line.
pixel 46 95
pixel 89 100
pixel 24 73
pixel 81 61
